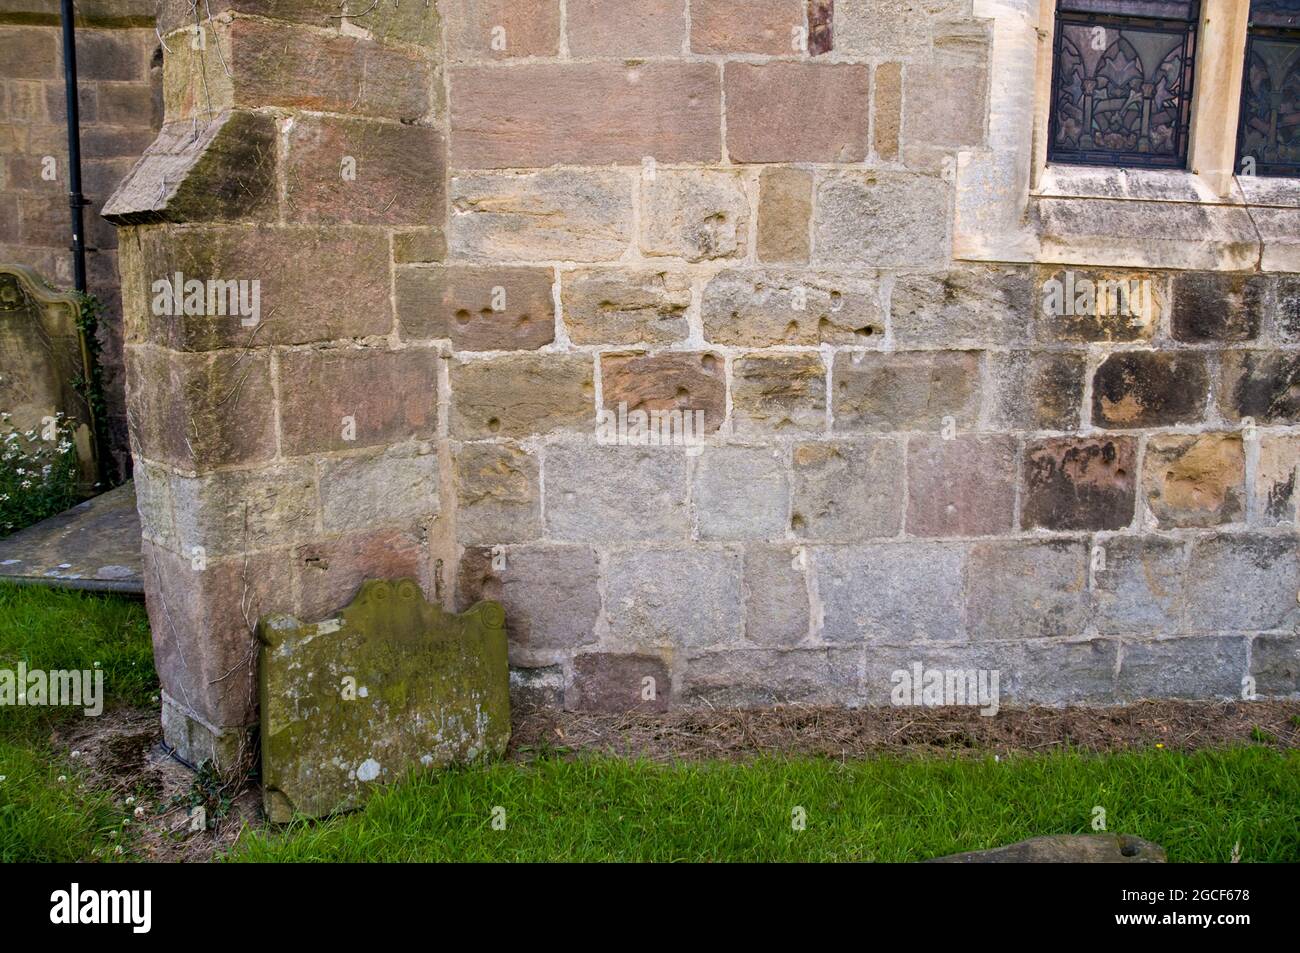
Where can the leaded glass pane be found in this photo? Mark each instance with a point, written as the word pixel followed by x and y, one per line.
pixel 1268 137
pixel 1121 86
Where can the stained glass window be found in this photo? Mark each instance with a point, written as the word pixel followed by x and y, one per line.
pixel 1122 82
pixel 1268 136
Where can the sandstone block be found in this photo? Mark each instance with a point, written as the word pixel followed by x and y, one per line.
pixel 740 493
pixel 776 594
pixel 1275 481
pixel 1135 389
pixel 521 394
pixel 617 683
pixel 755 26
pixel 615 493
pixel 901 390
pixel 498 494
pixel 614 306
pixel 1243 582
pixel 761 678
pixel 502 29
pixel 1074 483
pixel 784 214
pixel 881 220
pixel 764 308
pixel 1182 668
pixel 697 216
pixel 845 491
pixel 477 308
pixel 674 598
pixel 234 512
pixel 1076 305
pixel 772 392
pixel 396 486
pixel 1137 585
pixel 1275 665
pixel 1195 480
pixel 665 383
pixel 962 308
pixel 1211 306
pixel 1037 390
pixel 964 486
pixel 901 593
pixel 615 28
pixel 797 112
pixel 1027 590
pixel 1264 385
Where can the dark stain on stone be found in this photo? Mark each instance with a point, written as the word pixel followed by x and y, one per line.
pixel 821 26
pixel 1074 483
pixel 1136 389
pixel 1218 307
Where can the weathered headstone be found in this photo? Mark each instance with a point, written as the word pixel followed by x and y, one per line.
pixel 1066 849
pixel 41 355
pixel 390 683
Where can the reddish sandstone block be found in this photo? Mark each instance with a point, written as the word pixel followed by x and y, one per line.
pixel 797 112
pixel 665 382
pixel 619 28
pixel 821 26
pixel 965 486
pixel 747 26
pixel 607 682
pixel 198 411
pixel 584 114
pixel 478 309
pixel 279 66
pixel 390 396
pixel 358 172
pixel 502 29
pixel 330 572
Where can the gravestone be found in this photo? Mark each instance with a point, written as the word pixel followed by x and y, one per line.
pixel 390 683
pixel 1066 849
pixel 41 354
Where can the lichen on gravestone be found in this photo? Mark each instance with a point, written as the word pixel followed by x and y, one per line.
pixel 389 684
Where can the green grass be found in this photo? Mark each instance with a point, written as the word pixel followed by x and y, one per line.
pixel 43 818
pixel 890 809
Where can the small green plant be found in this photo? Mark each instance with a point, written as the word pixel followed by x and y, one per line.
pixel 38 472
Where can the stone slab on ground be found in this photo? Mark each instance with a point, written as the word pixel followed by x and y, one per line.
pixel 1065 849
pixel 93 546
pixel 388 684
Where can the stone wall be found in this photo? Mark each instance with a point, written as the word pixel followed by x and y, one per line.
pixel 119 68
pixel 482 229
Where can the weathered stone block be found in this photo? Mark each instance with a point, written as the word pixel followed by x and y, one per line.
pixel 763 308
pixel 890 27
pixel 543 114
pixel 615 306
pixel 616 28
pixel 281 66
pixel 1212 306
pixel 1037 390
pixel 665 383
pixel 498 496
pixel 674 598
pixel 1082 305
pixel 502 29
pixel 541 216
pixel 343 399
pixel 901 390
pixel 697 216
pixel 344 171
pixel 1137 585
pixel 419 246
pixel 615 683
pixel 888 81
pixel 974 307
pixel 900 593
pixel 397 486
pixel 1197 480
pixel 776 594
pixel 740 493
pixel 477 308
pixel 330 572
pixel 797 111
pixel 846 491
pixel 772 392
pixel 389 683
pixel 1243 582
pixel 1074 483
pixel 1286 310
pixel 1264 385
pixel 1182 668
pixel 212 679
pixel 784 214
pixel 1055 672
pixel 234 512
pixel 899 675
pixel 946 103
pixel 1027 590
pixel 522 394
pixel 964 486
pixel 222 169
pixel 256 275
pixel 1275 481
pixel 881 219
pixel 218 409
pixel 1134 389
pixel 760 26
pixel 550 593
pixel 537 686
pixel 1275 665
pixel 761 678
pixel 615 493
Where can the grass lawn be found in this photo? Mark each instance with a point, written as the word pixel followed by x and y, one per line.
pixel 1197 805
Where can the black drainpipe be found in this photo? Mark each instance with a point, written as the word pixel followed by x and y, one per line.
pixel 75 201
